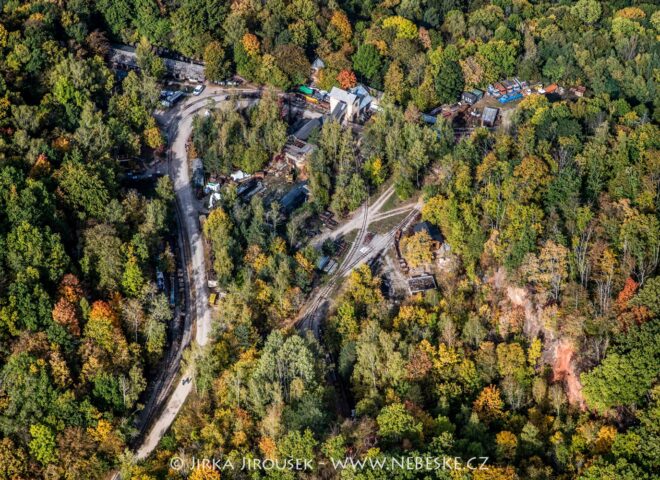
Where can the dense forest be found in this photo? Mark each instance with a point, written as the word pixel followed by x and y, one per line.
pixel 420 52
pixel 81 320
pixel 541 347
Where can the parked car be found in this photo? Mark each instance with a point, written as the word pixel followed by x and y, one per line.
pixel 198 90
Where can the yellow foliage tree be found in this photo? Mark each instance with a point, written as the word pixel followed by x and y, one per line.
pixel 632 13
pixel 256 258
pixel 510 359
pixel 411 315
pixel 153 138
pixel 264 292
pixel 5 107
pixel 340 21
pixel 251 44
pixel 489 404
pixel 534 352
pixel 507 443
pixel 3 36
pixel 605 439
pixel 204 472
pixel 278 246
pixel 218 224
pixel 394 82
pixel 549 270
pixel 381 45
pixel 108 440
pixel 304 263
pixel 473 72
pixel 417 249
pixel 495 473
pixel 404 27
pixel 363 288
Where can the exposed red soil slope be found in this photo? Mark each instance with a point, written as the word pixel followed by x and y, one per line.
pixel 564 371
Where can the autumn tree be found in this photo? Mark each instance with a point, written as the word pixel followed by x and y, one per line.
pixel 65 313
pixel 251 44
pixel 346 79
pixel 204 472
pixel 489 405
pixel 13 460
pixel 549 270
pixel 340 27
pixel 403 27
pixel 417 249
pixel 394 82
pixel 507 442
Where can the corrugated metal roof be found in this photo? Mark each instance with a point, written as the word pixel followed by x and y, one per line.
pixel 489 115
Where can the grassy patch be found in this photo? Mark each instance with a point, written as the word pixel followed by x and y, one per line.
pixel 387 224
pixel 393 202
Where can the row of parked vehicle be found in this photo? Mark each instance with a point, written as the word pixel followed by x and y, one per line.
pixel 227 83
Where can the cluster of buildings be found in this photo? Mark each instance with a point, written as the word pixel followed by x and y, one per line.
pixel 508 90
pixel 354 105
pixel 349 107
pixel 478 108
pixel 276 184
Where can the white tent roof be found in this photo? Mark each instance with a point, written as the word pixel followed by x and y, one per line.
pixel 343 95
pixel 239 175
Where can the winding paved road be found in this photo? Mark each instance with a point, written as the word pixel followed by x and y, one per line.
pixel 178 125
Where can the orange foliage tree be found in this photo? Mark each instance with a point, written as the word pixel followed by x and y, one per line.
pixel 66 314
pixel 346 79
pixel 65 311
pixel 251 44
pixel 628 292
pixel 70 288
pixel 626 313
